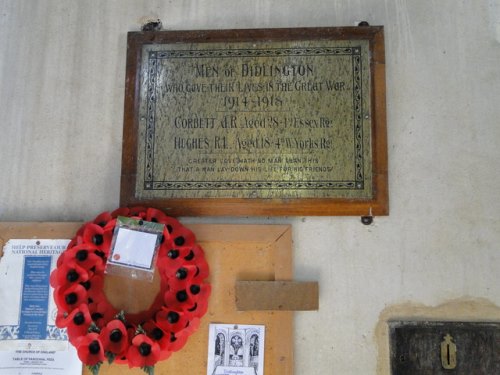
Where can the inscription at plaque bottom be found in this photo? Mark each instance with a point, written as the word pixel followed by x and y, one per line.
pixel 255 120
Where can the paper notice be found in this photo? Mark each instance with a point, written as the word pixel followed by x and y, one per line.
pixel 30 342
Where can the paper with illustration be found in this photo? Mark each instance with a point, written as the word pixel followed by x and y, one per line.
pixel 236 349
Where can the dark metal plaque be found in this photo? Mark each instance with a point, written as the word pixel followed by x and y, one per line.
pixel 445 348
pixel 224 118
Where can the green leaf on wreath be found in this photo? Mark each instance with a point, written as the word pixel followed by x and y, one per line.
pixel 121 317
pixel 110 356
pixel 139 331
pixel 93 328
pixel 94 369
pixel 150 370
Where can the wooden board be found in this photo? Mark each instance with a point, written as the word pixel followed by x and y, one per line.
pixel 160 169
pixel 234 252
pixel 277 295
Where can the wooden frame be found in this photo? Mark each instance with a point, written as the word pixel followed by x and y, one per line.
pixel 231 251
pixel 377 204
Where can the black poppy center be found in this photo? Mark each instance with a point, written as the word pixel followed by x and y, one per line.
pixel 173 317
pixel 172 254
pixel 71 298
pixel 94 347
pixel 195 289
pixel 115 335
pixel 72 276
pixel 145 349
pixel 181 273
pixel 79 318
pixel 86 285
pixel 190 256
pixel 179 241
pixel 181 296
pixel 97 239
pixel 157 334
pixel 96 316
pixel 99 253
pixel 81 255
pixel 172 337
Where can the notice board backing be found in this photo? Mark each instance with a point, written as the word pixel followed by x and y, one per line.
pixel 234 252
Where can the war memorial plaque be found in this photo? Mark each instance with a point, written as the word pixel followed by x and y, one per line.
pixel 256 122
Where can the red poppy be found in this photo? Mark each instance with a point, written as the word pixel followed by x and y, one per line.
pixel 184 256
pixel 69 298
pixel 181 277
pixel 76 323
pixel 95 287
pixel 85 256
pixel 60 258
pixel 193 326
pixel 61 317
pixel 114 337
pixel 170 263
pixel 68 273
pixel 195 255
pixel 97 236
pixel 90 349
pixel 199 301
pixel 152 214
pixel 198 259
pixel 178 299
pixel 122 211
pixel 178 340
pixel 138 211
pixel 182 237
pixel 165 243
pixel 143 351
pixel 102 312
pixel 162 337
pixel 172 224
pixel 170 320
pixel 102 219
pixel 122 359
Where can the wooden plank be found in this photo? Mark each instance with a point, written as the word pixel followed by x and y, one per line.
pixel 276 295
pixel 231 252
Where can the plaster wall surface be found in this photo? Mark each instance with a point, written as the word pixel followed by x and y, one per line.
pixel 62 69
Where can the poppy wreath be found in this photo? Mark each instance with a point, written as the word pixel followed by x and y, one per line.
pixel 100 332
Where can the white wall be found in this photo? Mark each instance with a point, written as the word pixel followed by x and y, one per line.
pixel 62 66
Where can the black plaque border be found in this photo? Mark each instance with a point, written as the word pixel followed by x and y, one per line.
pixel 377 205
pixel 357 96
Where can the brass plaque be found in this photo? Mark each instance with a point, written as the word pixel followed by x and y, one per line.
pixel 444 347
pixel 254 119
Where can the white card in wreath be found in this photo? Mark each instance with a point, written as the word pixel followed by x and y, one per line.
pixel 236 349
pixel 134 248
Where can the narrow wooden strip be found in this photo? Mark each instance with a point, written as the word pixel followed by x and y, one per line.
pixel 277 295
